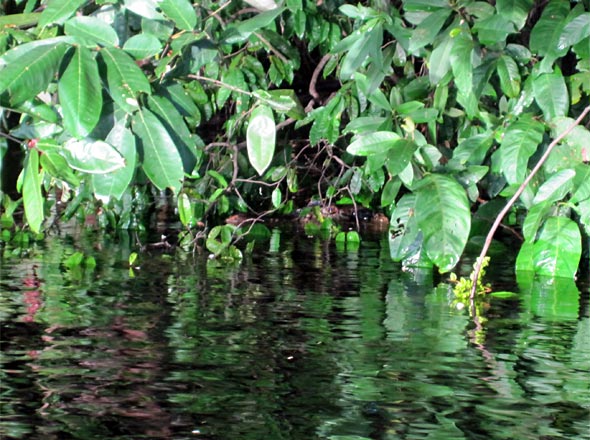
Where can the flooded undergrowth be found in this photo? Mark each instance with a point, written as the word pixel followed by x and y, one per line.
pixel 302 343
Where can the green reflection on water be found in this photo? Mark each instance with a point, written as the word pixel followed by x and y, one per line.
pixel 304 342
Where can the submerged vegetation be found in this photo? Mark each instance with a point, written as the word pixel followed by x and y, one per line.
pixel 434 112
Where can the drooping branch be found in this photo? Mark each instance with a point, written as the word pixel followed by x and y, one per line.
pixel 515 197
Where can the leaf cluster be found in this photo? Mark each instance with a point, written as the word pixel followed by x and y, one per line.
pixel 432 111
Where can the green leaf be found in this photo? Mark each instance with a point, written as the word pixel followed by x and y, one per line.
pixel 260 138
pixel 461 64
pixel 57 166
pixel 124 78
pixel 277 198
pixel 221 180
pixel 113 184
pixel 92 157
pixel 161 160
pixel 405 237
pixel 518 145
pixel 368 45
pixel 556 187
pixel 219 239
pixel 378 142
pixel 551 94
pixel 443 215
pixel 428 29
pixel 546 33
pixel 494 29
pixel 180 12
pixel 20 20
pixel 29 72
pixel 282 101
pixel 581 184
pixel 91 31
pixel 534 219
pixel 79 92
pixel 574 32
pixel 509 76
pixel 32 197
pixel 58 11
pixel 185 210
pixel 177 129
pixel 390 191
pixel 556 252
pixel 471 151
pixel 572 150
pixel 142 46
pixel 241 31
pixel 515 11
pixel 144 8
pixel 439 62
pixel 399 155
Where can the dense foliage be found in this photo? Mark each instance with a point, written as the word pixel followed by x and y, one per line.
pixel 434 111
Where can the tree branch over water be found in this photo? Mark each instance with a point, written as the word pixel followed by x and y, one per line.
pixel 514 198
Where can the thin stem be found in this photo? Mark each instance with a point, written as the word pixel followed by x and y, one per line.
pixel 515 197
pixel 221 84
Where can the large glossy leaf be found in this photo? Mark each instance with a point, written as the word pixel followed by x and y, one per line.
pixel 405 237
pixel 57 166
pixel 241 31
pixel 494 29
pixel 80 94
pixel 25 19
pixel 180 12
pixel 574 31
pixel 556 252
pixel 378 142
pixel 549 27
pixel 518 145
pixel 282 101
pixel 581 184
pixel 515 11
pixel 29 72
pixel 461 63
pixel 115 183
pixel 399 155
pixel 509 76
pixel 556 187
pixel 439 62
pixel 572 150
pixel 58 11
pixel 471 151
pixel 142 46
pixel 177 129
pixel 32 198
pixel 124 78
pixel 443 215
pixel 428 29
pixel 144 8
pixel 91 31
pixel 367 45
pixel 534 219
pixel 551 94
pixel 260 138
pixel 92 156
pixel 582 209
pixel 161 160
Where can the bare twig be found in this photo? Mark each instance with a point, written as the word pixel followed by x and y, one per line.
pixel 515 197
pixel 220 83
pixel 272 48
pixel 314 77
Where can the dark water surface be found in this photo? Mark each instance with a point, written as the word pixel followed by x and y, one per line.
pixel 305 343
